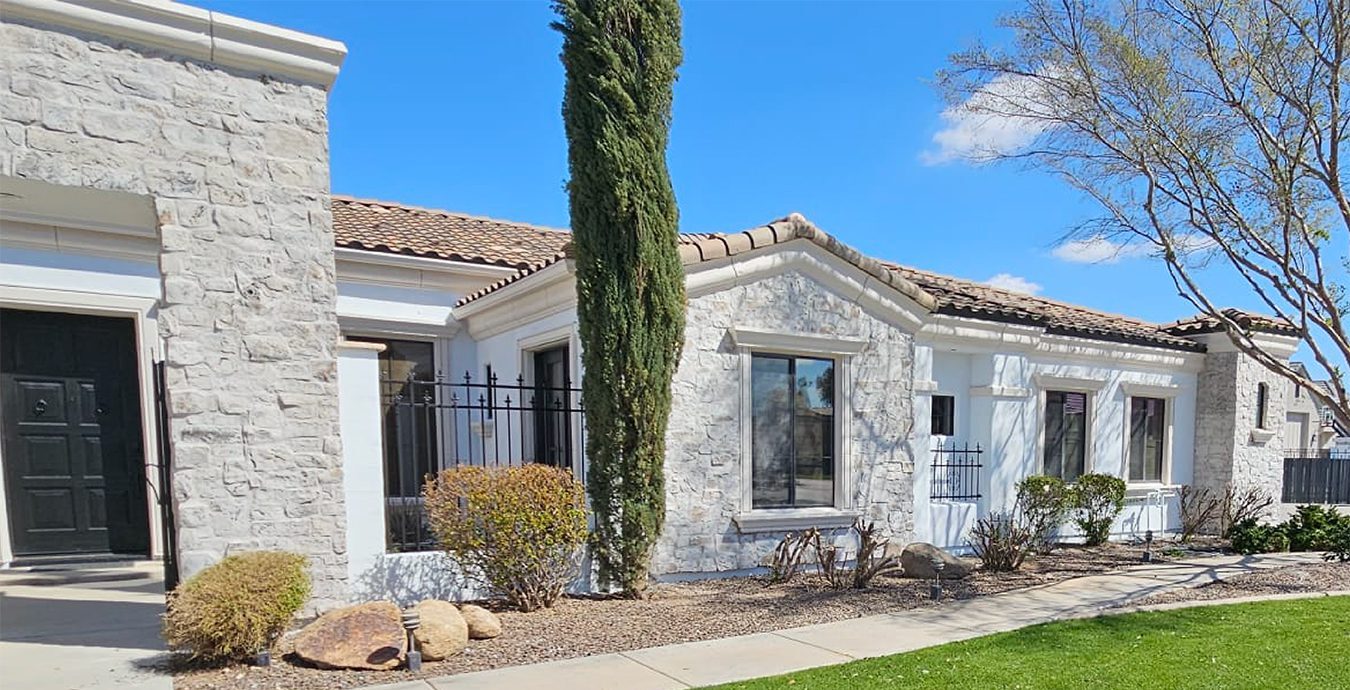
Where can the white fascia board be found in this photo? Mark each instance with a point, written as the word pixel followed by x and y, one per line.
pixel 975 335
pixel 194 33
pixel 965 334
pixel 551 290
pixel 381 268
pixel 1280 346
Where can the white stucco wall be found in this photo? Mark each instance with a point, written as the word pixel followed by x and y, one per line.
pixel 999 405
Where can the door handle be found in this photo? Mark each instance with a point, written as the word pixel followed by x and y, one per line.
pixel 39 407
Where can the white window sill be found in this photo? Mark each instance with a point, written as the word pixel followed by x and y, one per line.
pixel 1261 436
pixel 1141 490
pixel 791 519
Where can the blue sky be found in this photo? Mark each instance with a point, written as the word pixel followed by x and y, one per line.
pixel 822 108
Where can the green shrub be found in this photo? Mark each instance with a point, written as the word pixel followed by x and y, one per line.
pixel 1249 536
pixel 518 530
pixel 1312 527
pixel 237 607
pixel 1001 541
pixel 1338 541
pixel 1098 498
pixel 1044 503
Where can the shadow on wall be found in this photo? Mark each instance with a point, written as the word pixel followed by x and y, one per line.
pixel 407 578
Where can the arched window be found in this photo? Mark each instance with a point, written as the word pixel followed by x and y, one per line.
pixel 1262 393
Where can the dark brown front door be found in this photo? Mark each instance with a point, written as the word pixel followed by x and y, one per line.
pixel 70 420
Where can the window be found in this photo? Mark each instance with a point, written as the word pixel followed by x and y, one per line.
pixel 792 443
pixel 1148 428
pixel 552 427
pixel 408 406
pixel 1262 392
pixel 1066 425
pixel 944 416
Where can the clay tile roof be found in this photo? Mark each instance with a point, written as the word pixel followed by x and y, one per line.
pixel 1203 323
pixel 960 297
pixel 380 226
pixel 400 229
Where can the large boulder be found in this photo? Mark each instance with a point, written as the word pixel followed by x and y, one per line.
pixel 443 632
pixel 483 624
pixel 366 636
pixel 916 560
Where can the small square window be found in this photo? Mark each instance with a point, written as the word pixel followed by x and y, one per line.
pixel 944 416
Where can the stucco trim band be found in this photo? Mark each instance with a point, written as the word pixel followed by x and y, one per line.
pixel 194 33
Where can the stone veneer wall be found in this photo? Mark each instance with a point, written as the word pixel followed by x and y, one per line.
pixel 238 166
pixel 1225 450
pixel 703 443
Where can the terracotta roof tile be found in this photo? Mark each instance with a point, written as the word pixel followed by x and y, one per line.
pixel 382 226
pixel 961 297
pixel 1203 323
pixel 399 229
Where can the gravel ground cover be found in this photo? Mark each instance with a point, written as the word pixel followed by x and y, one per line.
pixel 672 613
pixel 1320 577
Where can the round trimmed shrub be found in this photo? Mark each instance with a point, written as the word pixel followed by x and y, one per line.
pixel 1099 498
pixel 237 607
pixel 519 530
pixel 1044 503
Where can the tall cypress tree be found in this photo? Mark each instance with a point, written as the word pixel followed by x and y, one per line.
pixel 621 57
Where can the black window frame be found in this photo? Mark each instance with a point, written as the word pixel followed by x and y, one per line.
pixel 1262 403
pixel 942 420
pixel 833 427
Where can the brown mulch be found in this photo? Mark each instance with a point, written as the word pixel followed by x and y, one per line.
pixel 672 613
pixel 1317 577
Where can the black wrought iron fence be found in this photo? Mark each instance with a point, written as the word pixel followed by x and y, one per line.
pixel 1313 475
pixel 955 473
pixel 433 424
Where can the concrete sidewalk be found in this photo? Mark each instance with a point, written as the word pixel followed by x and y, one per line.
pixel 82 634
pixel 696 664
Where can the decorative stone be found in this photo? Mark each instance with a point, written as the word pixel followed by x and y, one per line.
pixel 916 560
pixel 483 624
pixel 443 632
pixel 365 636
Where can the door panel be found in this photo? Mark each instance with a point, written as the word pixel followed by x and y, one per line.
pixel 70 424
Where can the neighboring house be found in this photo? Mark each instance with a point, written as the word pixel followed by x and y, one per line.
pixel 1309 426
pixel 164 199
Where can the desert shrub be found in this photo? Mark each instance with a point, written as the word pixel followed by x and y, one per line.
pixel 1312 527
pixel 1001 541
pixel 1198 508
pixel 1043 503
pixel 1098 499
pixel 787 557
pixel 832 559
pixel 517 530
pixel 1338 542
pixel 1240 505
pixel 237 607
pixel 1251 536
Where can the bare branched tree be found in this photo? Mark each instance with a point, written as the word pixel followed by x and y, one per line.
pixel 1212 134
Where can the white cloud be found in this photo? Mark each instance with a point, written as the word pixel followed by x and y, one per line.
pixel 987 125
pixel 1097 250
pixel 1012 283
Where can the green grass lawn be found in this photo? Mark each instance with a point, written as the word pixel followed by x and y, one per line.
pixel 1279 644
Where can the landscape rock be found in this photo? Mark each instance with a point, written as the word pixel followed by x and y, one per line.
pixel 364 636
pixel 483 624
pixel 916 561
pixel 443 632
